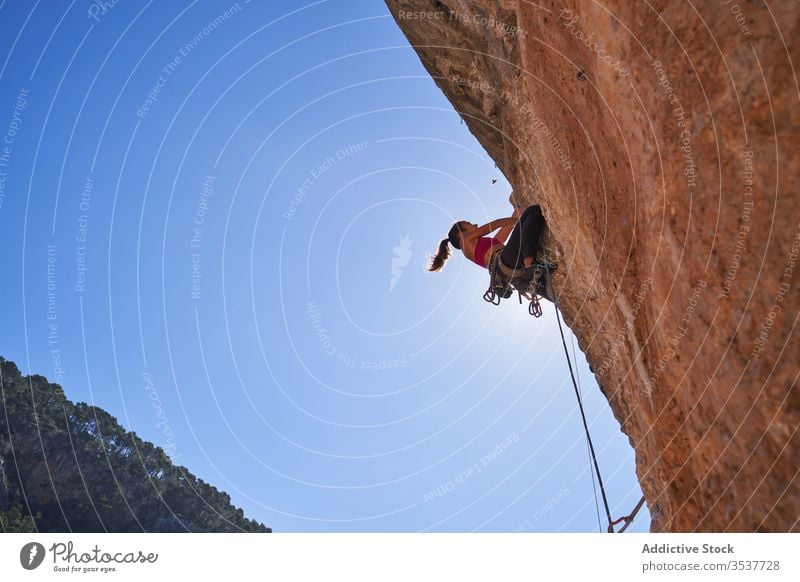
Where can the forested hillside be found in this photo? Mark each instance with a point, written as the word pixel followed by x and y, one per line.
pixel 68 466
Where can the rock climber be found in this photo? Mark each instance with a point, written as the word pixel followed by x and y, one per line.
pixel 520 252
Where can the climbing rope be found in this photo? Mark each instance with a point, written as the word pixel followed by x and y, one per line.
pixel 583 414
pixel 502 284
pixel 588 450
pixel 628 519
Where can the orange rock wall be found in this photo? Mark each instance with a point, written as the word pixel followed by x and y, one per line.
pixel 661 139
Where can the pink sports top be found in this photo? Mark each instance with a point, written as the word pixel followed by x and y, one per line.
pixel 483 244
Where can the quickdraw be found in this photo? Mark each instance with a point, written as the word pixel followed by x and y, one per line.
pixel 627 519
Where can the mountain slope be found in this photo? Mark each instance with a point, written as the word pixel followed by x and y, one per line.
pixel 72 467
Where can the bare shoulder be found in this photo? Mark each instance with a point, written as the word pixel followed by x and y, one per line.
pixel 468 248
pixel 471 236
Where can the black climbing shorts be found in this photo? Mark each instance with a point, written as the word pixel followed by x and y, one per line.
pixel 524 239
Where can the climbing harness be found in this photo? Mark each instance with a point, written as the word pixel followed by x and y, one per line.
pixel 529 282
pixel 628 519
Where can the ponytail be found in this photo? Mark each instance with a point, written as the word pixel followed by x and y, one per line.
pixel 441 256
pixel 444 250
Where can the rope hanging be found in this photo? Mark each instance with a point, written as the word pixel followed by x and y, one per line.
pixel 501 287
pixel 628 519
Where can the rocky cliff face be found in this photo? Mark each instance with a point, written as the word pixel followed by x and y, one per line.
pixel 661 139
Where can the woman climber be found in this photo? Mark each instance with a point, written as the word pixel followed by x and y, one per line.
pixel 519 253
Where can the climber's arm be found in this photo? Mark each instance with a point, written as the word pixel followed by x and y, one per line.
pixel 492 226
pixel 504 232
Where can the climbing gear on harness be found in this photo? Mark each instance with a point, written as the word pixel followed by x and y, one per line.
pixel 529 282
pixel 534 307
pixel 499 288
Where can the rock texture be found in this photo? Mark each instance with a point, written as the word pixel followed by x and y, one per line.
pixel 661 139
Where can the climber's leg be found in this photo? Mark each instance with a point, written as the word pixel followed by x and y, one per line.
pixel 523 243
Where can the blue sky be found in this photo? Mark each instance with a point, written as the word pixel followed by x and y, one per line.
pixel 219 191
